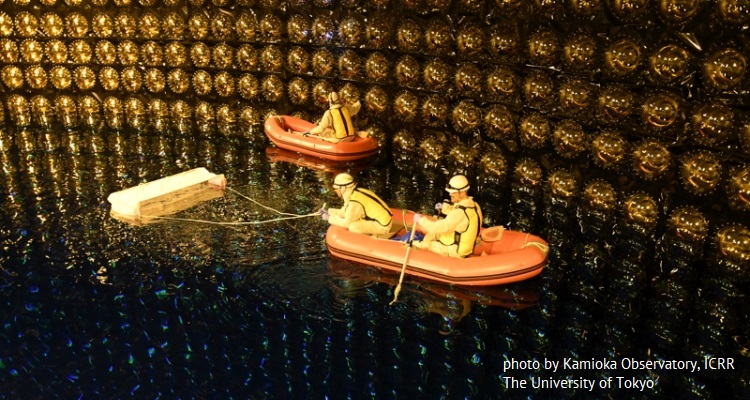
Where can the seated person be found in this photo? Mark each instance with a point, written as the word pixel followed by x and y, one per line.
pixel 336 124
pixel 363 211
pixel 457 233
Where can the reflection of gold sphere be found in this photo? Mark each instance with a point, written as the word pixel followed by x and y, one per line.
pixel 438 37
pixel 125 25
pixel 734 242
pixel 502 83
pixel 724 69
pixel 204 114
pixel 180 112
pixel 246 26
pixel 629 10
pixel 248 87
pixel 580 52
pixel 569 138
pixel 350 64
pixel 616 103
pixel 585 7
pixel 200 54
pixel 298 28
pixel 178 81
pixel 271 27
pixel 109 78
pixel 466 116
pixel 687 223
pixel 198 25
pixel 535 130
pixel 528 173
pixel 352 31
pixel 468 79
pixel 60 77
pixel 106 52
pixel 470 40
pixel 405 106
pixel 679 11
pixel 378 32
pixel 85 78
pixel 349 93
pixel 52 25
pixel 80 52
pixel 158 109
pixel 713 123
pixel 298 60
pixel 249 116
pixel 462 156
pixel 543 48
pixel 651 159
pixel 149 25
pixel 66 109
pixel 320 92
pixel 32 51
pixel 175 54
pixel 154 80
pixel 90 110
pixel 436 75
pixel 247 58
pixel 134 112
pixel 221 26
pixel 127 52
pixel 12 77
pixel 376 67
pixel 669 63
pixel 223 56
pixel 42 110
pixel 739 188
pixel 18 109
pixel 641 209
pixel 113 113
pixel 26 24
pixel 298 91
pixel 661 110
pixel 623 57
pixel 609 149
pixel 407 71
pixel 576 96
pixel 173 25
pixel 539 90
pixel 435 111
pixel 323 62
pixel 409 35
pixel 131 79
pixel 500 123
pixel 271 59
pixel 57 52
pixel 562 185
pixel 701 172
pixel 202 82
pixel 77 25
pixel 504 41
pixel 599 195
pixel 273 88
pixel 493 165
pixel 323 30
pixel 404 142
pixel 36 77
pixel 8 51
pixel 433 147
pixel 376 100
pixel 224 84
pixel 734 11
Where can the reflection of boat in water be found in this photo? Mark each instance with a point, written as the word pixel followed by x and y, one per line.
pixel 515 296
pixel 504 256
pixel 277 154
pixel 148 202
pixel 283 131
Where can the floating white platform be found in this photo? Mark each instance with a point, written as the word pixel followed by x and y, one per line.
pixel 167 195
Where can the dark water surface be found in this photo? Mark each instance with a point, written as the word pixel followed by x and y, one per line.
pixel 96 308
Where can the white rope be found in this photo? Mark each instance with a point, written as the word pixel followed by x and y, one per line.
pixel 541 246
pixel 289 216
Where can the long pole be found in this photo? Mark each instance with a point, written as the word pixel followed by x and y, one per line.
pixel 403 267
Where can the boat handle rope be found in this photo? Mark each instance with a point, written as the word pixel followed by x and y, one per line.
pixel 541 246
pixel 286 216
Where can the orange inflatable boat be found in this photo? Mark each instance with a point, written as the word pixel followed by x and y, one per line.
pixel 503 257
pixel 284 132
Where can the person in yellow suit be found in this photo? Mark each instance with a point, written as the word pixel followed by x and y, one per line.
pixel 457 233
pixel 336 124
pixel 363 211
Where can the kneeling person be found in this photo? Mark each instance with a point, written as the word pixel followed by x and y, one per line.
pixel 456 234
pixel 363 211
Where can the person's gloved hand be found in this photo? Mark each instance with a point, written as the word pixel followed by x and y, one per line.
pixel 306 133
pixel 417 217
pixel 324 214
pixel 439 206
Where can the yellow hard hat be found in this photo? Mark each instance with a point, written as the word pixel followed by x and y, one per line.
pixel 343 180
pixel 333 98
pixel 458 183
